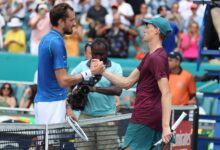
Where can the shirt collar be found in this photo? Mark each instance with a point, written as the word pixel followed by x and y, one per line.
pixel 57 33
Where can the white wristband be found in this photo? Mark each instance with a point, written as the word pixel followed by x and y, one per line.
pixel 86 74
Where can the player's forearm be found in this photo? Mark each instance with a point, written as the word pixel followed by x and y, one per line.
pixel 109 90
pixel 70 80
pixel 166 109
pixel 118 81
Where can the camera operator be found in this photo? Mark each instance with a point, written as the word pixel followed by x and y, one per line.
pixel 101 99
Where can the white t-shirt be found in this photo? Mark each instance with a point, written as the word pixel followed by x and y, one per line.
pixel 69 2
pixel 125 9
pixel 20 13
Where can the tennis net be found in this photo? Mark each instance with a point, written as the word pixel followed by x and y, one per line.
pixel 103 133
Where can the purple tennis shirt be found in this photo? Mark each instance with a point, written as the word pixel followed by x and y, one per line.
pixel 148 108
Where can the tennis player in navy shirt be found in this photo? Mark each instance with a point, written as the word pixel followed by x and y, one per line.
pixel 50 103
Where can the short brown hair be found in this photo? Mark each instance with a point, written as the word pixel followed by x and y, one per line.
pixel 162 37
pixel 59 11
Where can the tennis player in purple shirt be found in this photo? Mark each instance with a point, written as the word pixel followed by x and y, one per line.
pixel 151 116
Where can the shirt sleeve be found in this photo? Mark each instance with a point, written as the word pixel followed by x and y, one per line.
pixel 7 37
pixel 118 70
pixel 78 69
pixel 22 38
pixel 159 67
pixel 192 85
pixel 58 51
pixel 130 11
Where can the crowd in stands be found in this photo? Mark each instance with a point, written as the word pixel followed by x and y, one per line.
pixel 23 23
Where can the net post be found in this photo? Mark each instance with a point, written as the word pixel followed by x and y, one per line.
pixel 46 137
pixel 195 128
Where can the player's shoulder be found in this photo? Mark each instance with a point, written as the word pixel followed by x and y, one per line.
pixel 186 73
pixel 115 64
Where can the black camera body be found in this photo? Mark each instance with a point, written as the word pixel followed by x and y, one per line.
pixel 79 96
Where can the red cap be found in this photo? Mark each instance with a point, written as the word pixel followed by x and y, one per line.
pixel 114 4
pixel 194 6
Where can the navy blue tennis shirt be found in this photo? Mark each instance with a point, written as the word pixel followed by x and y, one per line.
pixel 51 56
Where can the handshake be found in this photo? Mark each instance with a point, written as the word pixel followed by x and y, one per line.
pixel 97 66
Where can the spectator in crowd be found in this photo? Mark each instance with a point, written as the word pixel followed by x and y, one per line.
pixel 126 12
pixel 161 11
pixel 2 24
pixel 109 17
pixel 182 84
pixel 40 23
pixel 72 41
pixel 98 31
pixel 136 5
pixel 101 101
pixel 155 4
pixel 190 42
pixel 141 46
pixel 170 43
pixel 88 51
pixel 18 9
pixel 96 13
pixel 185 11
pixel 7 98
pixel 143 15
pixel 15 40
pixel 195 16
pixel 27 99
pixel 118 36
pixel 175 16
pixel 81 7
pixel 69 2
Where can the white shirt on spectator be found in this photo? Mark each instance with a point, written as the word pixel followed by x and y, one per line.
pixel 20 13
pixel 185 8
pixel 2 24
pixel 109 19
pixel 125 9
pixel 70 2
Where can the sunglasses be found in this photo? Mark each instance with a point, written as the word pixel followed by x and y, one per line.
pixel 5 88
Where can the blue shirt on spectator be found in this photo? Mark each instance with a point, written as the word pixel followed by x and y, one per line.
pixel 169 43
pixel 100 104
pixel 52 56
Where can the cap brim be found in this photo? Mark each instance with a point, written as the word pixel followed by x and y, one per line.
pixel 14 25
pixel 146 21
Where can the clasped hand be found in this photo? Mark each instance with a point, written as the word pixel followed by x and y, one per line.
pixel 97 67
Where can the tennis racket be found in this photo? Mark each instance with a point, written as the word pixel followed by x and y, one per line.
pixel 173 128
pixel 75 126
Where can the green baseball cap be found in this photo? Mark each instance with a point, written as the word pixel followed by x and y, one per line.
pixel 161 23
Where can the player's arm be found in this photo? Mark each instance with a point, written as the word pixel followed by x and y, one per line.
pixel 166 108
pixel 65 80
pixel 192 100
pixel 192 91
pixel 113 90
pixel 123 82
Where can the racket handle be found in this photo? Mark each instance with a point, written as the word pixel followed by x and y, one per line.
pixel 179 120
